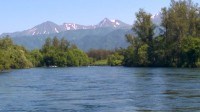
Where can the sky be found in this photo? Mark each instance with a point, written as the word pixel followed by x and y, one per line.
pixel 19 15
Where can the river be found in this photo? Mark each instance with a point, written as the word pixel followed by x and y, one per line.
pixel 100 89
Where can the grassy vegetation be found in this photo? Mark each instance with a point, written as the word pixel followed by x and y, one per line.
pixel 101 63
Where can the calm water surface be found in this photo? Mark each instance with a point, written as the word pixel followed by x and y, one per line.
pixel 100 89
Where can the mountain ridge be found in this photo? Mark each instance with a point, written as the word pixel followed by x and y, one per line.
pixel 49 27
pixel 107 34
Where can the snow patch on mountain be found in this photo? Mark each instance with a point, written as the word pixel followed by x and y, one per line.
pixel 33 33
pixel 113 20
pixel 117 23
pixel 56 30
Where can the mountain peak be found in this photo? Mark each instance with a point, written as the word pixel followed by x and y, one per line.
pixel 109 20
pixel 44 28
pixel 47 23
pixel 106 19
pixel 112 23
pixel 105 23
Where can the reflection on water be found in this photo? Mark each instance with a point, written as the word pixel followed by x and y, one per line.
pixel 109 89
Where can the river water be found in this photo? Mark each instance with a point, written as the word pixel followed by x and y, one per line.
pixel 100 89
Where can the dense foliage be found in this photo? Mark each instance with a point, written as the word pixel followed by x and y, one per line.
pixel 178 46
pixel 61 53
pixel 99 54
pixel 101 57
pixel 13 56
pixel 53 53
pixel 115 59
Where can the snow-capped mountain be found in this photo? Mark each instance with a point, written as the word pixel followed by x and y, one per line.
pixel 111 23
pixel 44 28
pixel 49 27
pixel 102 24
pixel 107 34
pixel 157 18
pixel 73 26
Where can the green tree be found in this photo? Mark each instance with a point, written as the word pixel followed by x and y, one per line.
pixel 143 40
pixel 13 56
pixel 81 57
pixel 47 44
pixel 115 59
pixel 56 42
pixel 5 61
pixel 180 20
pixel 191 52
pixel 36 58
pixel 61 53
pixel 144 29
pixel 131 56
pixel 64 44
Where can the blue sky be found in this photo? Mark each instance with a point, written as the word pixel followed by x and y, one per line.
pixel 18 15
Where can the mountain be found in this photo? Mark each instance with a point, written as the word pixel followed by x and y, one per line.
pixel 44 28
pixel 85 39
pixel 157 18
pixel 102 24
pixel 73 26
pixel 107 34
pixel 111 23
pixel 49 27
